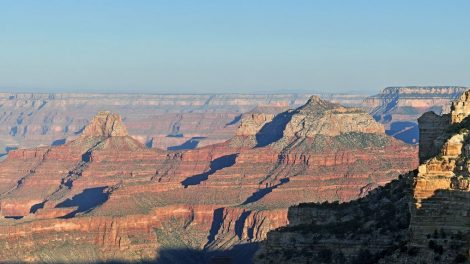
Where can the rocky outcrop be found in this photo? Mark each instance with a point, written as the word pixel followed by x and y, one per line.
pixel 443 179
pixel 104 196
pixel 252 123
pixel 361 231
pixel 105 124
pixel 432 130
pixel 319 117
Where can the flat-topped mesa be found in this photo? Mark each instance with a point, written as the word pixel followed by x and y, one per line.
pixel 320 117
pixel 105 124
pixel 448 91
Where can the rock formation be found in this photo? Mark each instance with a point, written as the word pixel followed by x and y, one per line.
pixel 105 124
pixel 420 218
pixel 399 107
pixel 104 196
pixel 361 231
pixel 162 121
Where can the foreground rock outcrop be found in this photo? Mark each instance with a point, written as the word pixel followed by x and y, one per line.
pixel 107 197
pixel 420 218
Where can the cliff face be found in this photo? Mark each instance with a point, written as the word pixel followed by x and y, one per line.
pixel 399 107
pixel 442 182
pixel 420 218
pixel 104 196
pixel 105 124
pixel 361 231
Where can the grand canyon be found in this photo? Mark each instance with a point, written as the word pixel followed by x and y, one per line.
pixel 178 122
pixel 106 196
pixel 421 217
pixel 234 132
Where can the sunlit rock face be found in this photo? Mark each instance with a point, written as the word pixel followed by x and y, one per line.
pixel 444 177
pixel 105 124
pixel 398 108
pixel 420 218
pixel 105 196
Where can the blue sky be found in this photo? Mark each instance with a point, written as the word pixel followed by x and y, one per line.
pixel 232 46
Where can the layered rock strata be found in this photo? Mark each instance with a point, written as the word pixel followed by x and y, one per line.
pixel 399 107
pixel 420 218
pixel 105 196
pixel 181 121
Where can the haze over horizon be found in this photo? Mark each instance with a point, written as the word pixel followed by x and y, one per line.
pixel 239 46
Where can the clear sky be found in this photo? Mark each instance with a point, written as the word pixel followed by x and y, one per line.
pixel 202 46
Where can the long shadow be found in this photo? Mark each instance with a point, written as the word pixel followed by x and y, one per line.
pixel 242 253
pixel 217 164
pixel 7 150
pixel 234 121
pixel 85 201
pixel 217 220
pixel 258 195
pixel 36 207
pixel 78 132
pixel 240 223
pixel 58 142
pixel 192 143
pixel 409 134
pixel 86 157
pixel 273 130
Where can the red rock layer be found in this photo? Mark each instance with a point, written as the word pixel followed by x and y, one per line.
pixel 213 197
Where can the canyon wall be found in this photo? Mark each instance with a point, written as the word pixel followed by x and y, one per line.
pixel 180 121
pixel 398 108
pixel 420 218
pixel 186 121
pixel 105 196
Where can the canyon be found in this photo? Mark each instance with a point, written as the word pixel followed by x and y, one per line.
pixel 188 121
pixel 422 217
pixel 166 121
pixel 104 195
pixel 398 108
